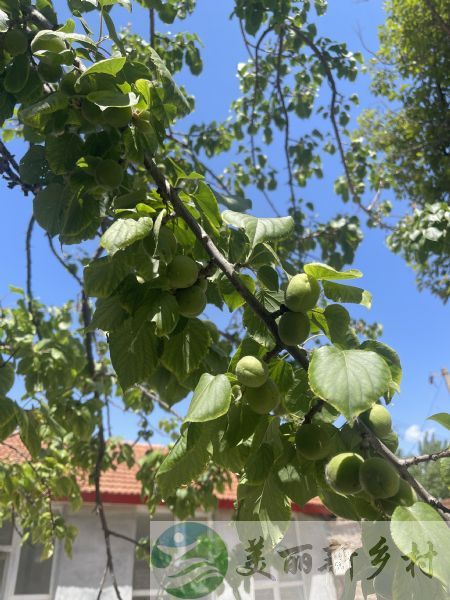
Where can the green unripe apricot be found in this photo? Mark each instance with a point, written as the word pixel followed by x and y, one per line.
pixel 182 272
pixel 118 117
pixel 49 72
pixel 314 441
pixel 301 293
pixel 263 399
pixel 405 496
pixel 251 372
pixel 390 440
pixel 379 419
pixel 293 328
pixel 378 478
pixel 191 301
pixel 15 42
pixel 109 173
pixel 342 473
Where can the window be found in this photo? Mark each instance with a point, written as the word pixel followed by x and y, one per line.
pixel 23 576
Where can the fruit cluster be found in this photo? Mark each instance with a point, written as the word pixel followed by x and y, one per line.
pixel 301 295
pixel 351 470
pixel 182 274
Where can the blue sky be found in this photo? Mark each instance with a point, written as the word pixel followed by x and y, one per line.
pixel 415 324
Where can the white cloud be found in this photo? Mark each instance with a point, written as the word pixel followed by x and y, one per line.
pixel 415 434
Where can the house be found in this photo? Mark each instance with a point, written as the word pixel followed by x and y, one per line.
pixel 24 577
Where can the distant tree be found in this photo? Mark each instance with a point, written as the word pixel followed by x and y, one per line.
pixel 434 476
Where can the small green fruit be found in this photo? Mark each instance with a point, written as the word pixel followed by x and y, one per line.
pixel 109 173
pixel 251 372
pixel 118 117
pixel 378 478
pixel 405 496
pixel 293 328
pixel 91 112
pixel 182 272
pixel 191 301
pixel 301 293
pixel 263 399
pixel 342 473
pixel 314 441
pixel 379 419
pixel 50 73
pixel 390 440
pixel 15 42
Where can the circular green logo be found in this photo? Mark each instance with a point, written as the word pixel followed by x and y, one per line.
pixel 189 560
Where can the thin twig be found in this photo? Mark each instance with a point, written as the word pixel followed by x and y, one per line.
pixel 29 269
pixel 157 399
pixel 415 460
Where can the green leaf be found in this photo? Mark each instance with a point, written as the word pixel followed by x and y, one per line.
pixel 321 271
pixel 163 74
pixel 108 314
pixel 207 204
pixel 350 380
pixel 6 376
pixel 232 202
pixel 63 151
pixel 413 528
pixel 185 350
pixel 33 167
pixel 109 66
pixel 231 296
pixel 111 99
pixel 211 398
pixel 102 276
pixel 347 293
pixel 46 106
pixel 267 504
pixel 441 418
pixel 166 313
pixel 393 361
pixel 188 457
pixel 298 481
pixel 8 417
pixel 134 350
pixel 48 208
pixel 260 230
pixel 29 431
pixel 125 232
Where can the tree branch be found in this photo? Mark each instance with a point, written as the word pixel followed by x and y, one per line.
pixel 415 460
pixel 170 195
pixel 403 471
pixel 30 297
pixel 437 17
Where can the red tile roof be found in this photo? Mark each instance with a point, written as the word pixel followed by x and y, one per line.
pixel 120 485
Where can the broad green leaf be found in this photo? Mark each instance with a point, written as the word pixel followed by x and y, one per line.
pixel 167 313
pixel 393 361
pixel 211 398
pixel 415 529
pixel 102 276
pixel 134 350
pixel 441 418
pixel 6 376
pixel 267 504
pixel 231 296
pixel 49 104
pixel 321 271
pixel 298 481
pixel 207 204
pixel 8 417
pixel 109 314
pixel 188 457
pixel 232 202
pixel 125 232
pixel 347 293
pixel 63 151
pixel 164 75
pixel 33 167
pixel 334 321
pixel 260 230
pixel 48 207
pixel 29 431
pixel 109 66
pixel 112 99
pixel 350 380
pixel 185 350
